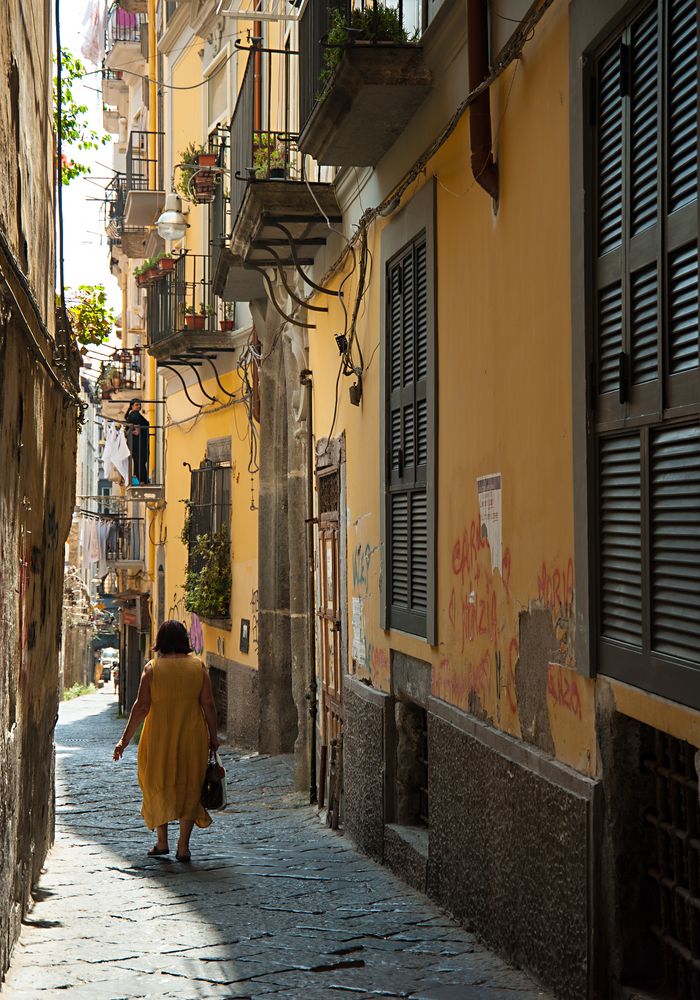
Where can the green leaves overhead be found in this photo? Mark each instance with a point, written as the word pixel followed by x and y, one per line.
pixel 75 130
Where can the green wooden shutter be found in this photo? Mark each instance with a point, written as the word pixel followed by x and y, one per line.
pixel 647 413
pixel 408 431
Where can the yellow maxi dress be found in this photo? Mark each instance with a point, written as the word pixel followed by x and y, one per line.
pixel 174 744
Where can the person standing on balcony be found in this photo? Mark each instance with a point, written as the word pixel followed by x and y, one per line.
pixel 176 701
pixel 137 435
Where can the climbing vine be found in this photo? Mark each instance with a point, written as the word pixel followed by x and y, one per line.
pixel 208 579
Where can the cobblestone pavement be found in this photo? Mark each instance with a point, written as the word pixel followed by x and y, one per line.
pixel 273 905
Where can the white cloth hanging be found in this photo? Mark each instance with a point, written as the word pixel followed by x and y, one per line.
pixel 121 456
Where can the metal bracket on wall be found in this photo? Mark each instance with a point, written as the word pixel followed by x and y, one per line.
pixel 197 406
pixel 271 294
pixel 280 268
pixel 193 366
pixel 268 221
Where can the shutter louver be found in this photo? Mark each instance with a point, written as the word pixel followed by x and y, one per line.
pixel 409 441
pixel 421 314
pixel 409 330
pixel 645 122
pixel 609 337
pixel 683 309
pixel 621 540
pixel 419 551
pixel 645 296
pixel 399 549
pixel 682 103
pixel 675 546
pixel 395 323
pixel 609 153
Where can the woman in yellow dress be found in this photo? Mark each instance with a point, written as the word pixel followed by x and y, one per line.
pixel 176 700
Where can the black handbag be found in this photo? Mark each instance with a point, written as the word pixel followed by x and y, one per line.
pixel 214 787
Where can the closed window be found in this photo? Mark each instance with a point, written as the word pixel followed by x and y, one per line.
pixel 646 381
pixel 209 509
pixel 409 440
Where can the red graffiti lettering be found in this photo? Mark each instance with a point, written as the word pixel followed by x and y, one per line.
pixel 506 569
pixel 555 587
pixel 563 690
pixel 453 609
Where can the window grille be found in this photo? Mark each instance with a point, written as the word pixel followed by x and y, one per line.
pixel 210 503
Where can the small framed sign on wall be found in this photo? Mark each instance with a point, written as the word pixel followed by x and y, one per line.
pixel 245 635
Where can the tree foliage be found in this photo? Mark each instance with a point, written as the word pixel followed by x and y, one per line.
pixel 75 130
pixel 91 318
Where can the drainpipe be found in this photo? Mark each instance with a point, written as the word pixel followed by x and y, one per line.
pixel 305 378
pixel 484 169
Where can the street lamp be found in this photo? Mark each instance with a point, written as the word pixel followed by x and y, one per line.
pixel 171 224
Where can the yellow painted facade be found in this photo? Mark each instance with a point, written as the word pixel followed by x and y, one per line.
pixel 503 364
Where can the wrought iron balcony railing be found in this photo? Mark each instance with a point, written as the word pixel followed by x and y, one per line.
pixel 144 161
pixel 182 300
pixel 115 203
pixel 125 543
pixel 123 27
pixel 362 77
pixel 265 124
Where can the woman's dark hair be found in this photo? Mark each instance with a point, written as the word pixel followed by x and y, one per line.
pixel 172 638
pixel 131 403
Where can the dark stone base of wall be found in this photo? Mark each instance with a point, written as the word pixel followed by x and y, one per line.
pixel 509 844
pixel 243 714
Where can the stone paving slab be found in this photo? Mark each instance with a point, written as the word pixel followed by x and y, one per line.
pixel 274 905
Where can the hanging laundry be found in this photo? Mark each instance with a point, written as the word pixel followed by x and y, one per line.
pixel 121 456
pixel 93 47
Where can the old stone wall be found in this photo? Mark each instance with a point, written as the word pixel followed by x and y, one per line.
pixel 38 423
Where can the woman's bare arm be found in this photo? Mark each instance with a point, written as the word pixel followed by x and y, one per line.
pixel 206 700
pixel 139 711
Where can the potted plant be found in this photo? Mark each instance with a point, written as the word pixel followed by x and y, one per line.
pixel 197 177
pixel 166 262
pixel 228 320
pixel 367 24
pixel 269 157
pixel 196 318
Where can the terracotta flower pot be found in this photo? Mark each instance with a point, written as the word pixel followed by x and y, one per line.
pixel 166 264
pixel 206 160
pixel 226 324
pixel 194 321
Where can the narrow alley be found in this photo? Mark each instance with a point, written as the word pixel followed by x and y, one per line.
pixel 274 903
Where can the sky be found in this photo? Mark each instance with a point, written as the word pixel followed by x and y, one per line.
pixel 86 257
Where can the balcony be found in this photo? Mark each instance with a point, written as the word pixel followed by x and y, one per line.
pixel 126 543
pixel 363 79
pixel 120 379
pixel 129 240
pixel 126 39
pixel 230 280
pixel 144 179
pixel 279 206
pixel 183 316
pixel 115 99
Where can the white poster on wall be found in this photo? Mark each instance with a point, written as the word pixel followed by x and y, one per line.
pixel 489 490
pixel 358 631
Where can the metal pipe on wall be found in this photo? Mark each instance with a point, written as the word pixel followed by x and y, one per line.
pixel 484 168
pixel 305 378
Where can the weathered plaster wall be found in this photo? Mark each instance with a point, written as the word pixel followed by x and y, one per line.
pixel 36 483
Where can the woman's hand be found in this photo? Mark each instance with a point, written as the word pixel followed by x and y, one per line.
pixel 118 751
pixel 214 743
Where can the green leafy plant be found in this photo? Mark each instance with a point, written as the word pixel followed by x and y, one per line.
pixel 92 320
pixel 200 310
pixel 188 157
pixel 208 579
pixel 75 130
pixel 268 154
pixel 372 24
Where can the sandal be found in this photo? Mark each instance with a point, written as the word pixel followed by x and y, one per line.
pixel 185 858
pixel 157 852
